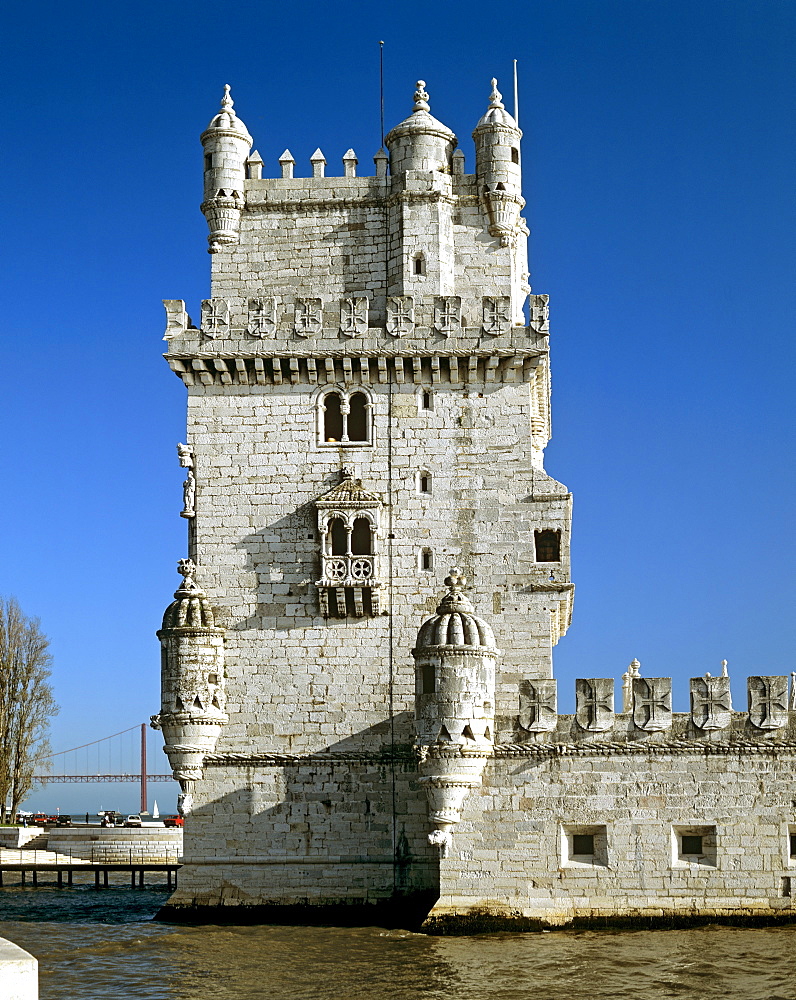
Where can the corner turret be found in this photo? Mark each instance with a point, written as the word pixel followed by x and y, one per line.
pixel 420 142
pixel 455 659
pixel 226 145
pixel 192 681
pixel 497 165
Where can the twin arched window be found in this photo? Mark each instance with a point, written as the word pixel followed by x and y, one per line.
pixel 361 543
pixel 345 418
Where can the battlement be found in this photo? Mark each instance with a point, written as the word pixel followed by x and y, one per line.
pixel 646 712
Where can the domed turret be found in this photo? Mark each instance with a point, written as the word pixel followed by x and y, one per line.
pixel 420 142
pixel 192 679
pixel 497 166
pixel 455 660
pixel 226 143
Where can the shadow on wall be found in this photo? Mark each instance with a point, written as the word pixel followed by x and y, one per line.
pixel 311 842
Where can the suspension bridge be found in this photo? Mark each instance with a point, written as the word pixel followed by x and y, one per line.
pixel 114 758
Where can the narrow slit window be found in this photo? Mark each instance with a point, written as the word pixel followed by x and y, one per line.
pixel 426 559
pixel 548 545
pixel 793 845
pixel 515 155
pixel 425 400
pixel 428 679
pixel 424 482
pixel 419 264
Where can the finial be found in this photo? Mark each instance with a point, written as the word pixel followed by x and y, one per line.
pixel 495 98
pixel 226 100
pixel 635 668
pixel 421 97
pixel 455 581
pixel 187 569
pixel 724 669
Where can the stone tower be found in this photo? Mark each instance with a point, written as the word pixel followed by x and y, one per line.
pixel 368 405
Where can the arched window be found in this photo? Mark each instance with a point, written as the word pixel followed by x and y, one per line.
pixel 361 544
pixel 423 481
pixel 426 400
pixel 548 545
pixel 338 537
pixel 358 417
pixel 426 560
pixel 419 264
pixel 344 418
pixel 332 417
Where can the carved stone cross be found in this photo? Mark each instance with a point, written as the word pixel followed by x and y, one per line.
pixel 400 315
pixel 262 317
pixel 354 315
pixel 215 317
pixel 768 701
pixel 447 314
pixel 652 703
pixel 538 706
pixel 711 706
pixel 594 703
pixel 496 317
pixel 308 317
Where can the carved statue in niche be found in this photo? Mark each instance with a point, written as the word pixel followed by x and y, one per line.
pixel 652 703
pixel 215 317
pixel 496 314
pixel 768 701
pixel 185 454
pixel 447 314
pixel 354 315
pixel 262 317
pixel 594 703
pixel 400 315
pixel 538 706
pixel 308 316
pixel 189 496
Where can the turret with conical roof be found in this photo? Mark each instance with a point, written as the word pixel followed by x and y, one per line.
pixel 226 143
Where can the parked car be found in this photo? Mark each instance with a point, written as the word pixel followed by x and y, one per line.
pixel 134 820
pixel 64 821
pixel 173 821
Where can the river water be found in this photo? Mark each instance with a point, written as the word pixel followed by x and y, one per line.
pixel 94 944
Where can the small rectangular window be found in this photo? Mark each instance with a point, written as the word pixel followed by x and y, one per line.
pixel 694 847
pixel 428 678
pixel 692 844
pixel 548 545
pixel 584 847
pixel 426 559
pixel 583 843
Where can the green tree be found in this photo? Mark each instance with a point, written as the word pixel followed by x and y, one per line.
pixel 26 704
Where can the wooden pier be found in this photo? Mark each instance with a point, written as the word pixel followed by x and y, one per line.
pixel 64 872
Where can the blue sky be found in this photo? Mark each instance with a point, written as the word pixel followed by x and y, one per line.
pixel 658 151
